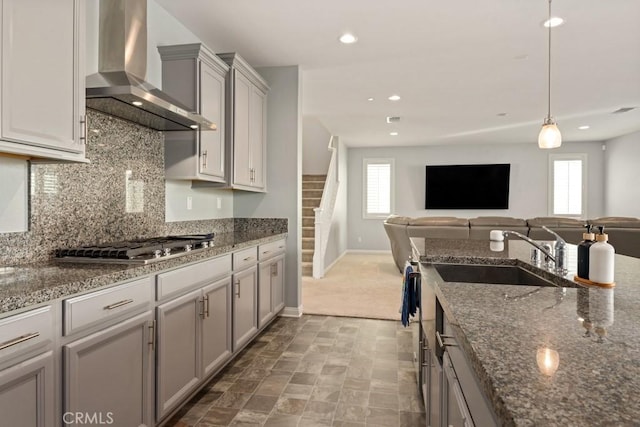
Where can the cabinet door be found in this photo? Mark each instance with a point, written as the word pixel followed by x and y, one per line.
pixel 257 136
pixel 245 313
pixel 277 284
pixel 241 110
pixel 265 311
pixel 216 325
pixel 178 347
pixel 109 374
pixel 26 393
pixel 43 73
pixel 212 86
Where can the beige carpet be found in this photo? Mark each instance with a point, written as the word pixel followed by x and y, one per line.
pixel 358 285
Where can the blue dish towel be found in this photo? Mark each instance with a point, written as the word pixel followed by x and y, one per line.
pixel 410 295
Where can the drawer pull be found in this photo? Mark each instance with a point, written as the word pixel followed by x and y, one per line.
pixel 118 304
pixel 248 258
pixel 441 338
pixel 265 252
pixel 18 340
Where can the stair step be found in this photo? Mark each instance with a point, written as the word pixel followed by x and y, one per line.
pixel 312 185
pixel 308 243
pixel 311 203
pixel 308 212
pixel 309 232
pixel 308 221
pixel 314 178
pixel 307 255
pixel 316 194
pixel 307 269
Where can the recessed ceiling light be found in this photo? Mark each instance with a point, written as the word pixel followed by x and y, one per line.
pixel 370 99
pixel 193 126
pixel 393 133
pixel 394 98
pixel 137 103
pixel 585 127
pixel 555 21
pixel 348 38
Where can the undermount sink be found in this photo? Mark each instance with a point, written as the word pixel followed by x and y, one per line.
pixel 494 274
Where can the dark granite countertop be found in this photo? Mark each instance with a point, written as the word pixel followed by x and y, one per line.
pixel 595 332
pixel 31 284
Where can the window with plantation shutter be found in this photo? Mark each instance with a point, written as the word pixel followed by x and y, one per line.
pixel 567 184
pixel 378 188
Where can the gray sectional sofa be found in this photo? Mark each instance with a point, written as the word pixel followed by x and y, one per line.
pixel 624 232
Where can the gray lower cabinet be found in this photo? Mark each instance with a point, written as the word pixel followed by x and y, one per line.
pixel 270 289
pixel 108 375
pixel 194 340
pixel 27 392
pixel 245 314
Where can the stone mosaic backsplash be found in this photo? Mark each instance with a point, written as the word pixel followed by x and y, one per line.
pixel 120 195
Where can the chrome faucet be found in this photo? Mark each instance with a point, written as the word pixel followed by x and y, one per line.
pixel 560 248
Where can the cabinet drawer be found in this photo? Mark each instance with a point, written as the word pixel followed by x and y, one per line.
pixel 26 331
pixel 182 279
pixel 245 258
pixel 89 309
pixel 269 250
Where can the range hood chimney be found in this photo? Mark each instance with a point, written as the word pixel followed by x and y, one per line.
pixel 119 88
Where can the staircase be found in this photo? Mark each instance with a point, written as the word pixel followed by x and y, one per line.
pixel 312 187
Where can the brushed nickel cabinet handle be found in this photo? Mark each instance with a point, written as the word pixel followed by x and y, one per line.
pixel 152 335
pixel 248 258
pixel 238 288
pixel 201 302
pixel 204 159
pixel 441 338
pixel 118 304
pixel 19 340
pixel 206 310
pixel 83 130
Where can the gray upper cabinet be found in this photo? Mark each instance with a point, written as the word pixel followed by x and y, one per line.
pixel 195 77
pixel 246 124
pixel 42 88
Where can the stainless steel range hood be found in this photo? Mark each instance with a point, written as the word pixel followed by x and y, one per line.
pixel 119 88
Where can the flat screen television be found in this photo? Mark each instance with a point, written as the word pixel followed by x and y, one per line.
pixel 467 186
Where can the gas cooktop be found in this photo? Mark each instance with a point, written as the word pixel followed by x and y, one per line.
pixel 139 251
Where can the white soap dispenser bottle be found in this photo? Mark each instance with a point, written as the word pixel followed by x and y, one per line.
pixel 601 259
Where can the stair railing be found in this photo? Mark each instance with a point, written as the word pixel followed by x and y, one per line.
pixel 324 213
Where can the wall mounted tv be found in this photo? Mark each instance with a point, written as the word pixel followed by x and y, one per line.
pixel 467 186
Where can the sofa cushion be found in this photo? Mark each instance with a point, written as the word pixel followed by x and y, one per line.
pixel 492 221
pixel 616 222
pixel 439 221
pixel 556 222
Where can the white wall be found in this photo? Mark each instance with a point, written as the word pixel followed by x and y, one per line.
pixel 163 29
pixel 527 193
pixel 622 161
pixel 315 139
pixel 284 171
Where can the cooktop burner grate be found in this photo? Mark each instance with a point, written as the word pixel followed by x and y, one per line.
pixel 139 251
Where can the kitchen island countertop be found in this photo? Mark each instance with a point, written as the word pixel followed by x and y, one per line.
pixel 32 284
pixel 595 332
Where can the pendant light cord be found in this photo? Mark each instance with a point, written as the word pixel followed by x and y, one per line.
pixel 549 66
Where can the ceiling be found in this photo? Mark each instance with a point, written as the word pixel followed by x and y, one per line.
pixel 467 71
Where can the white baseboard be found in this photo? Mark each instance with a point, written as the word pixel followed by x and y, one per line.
pixel 367 251
pixel 291 311
pixel 332 264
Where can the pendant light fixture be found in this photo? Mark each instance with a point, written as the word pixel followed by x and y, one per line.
pixel 549 136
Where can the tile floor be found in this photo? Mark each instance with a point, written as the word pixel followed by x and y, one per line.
pixel 315 371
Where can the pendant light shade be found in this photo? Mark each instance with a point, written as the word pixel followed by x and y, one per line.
pixel 549 136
